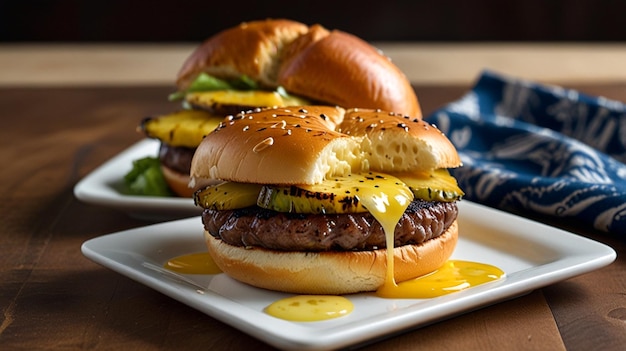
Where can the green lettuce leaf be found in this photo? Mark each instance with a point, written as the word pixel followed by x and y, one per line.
pixel 146 178
pixel 205 82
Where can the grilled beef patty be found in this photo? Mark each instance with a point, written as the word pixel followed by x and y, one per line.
pixel 255 226
pixel 177 158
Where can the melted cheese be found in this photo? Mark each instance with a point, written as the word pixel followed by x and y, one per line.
pixel 387 201
pixel 253 98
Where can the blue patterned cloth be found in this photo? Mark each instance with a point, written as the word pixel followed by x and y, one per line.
pixel 544 150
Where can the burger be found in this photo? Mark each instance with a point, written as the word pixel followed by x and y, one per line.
pixel 271 63
pixel 311 199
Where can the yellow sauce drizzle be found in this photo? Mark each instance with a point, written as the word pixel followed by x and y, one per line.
pixel 453 276
pixel 195 263
pixel 310 308
pixel 387 202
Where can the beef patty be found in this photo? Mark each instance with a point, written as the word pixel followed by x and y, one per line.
pixel 177 158
pixel 255 226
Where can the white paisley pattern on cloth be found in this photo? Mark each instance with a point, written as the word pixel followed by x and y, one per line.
pixel 537 149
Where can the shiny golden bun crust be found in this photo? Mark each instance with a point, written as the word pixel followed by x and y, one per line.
pixel 340 68
pixel 275 146
pixel 329 67
pixel 299 145
pixel 329 272
pixel 251 48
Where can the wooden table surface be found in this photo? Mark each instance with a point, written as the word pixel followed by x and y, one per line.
pixel 62 116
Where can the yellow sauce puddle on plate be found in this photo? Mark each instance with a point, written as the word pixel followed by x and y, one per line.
pixel 195 263
pixel 454 275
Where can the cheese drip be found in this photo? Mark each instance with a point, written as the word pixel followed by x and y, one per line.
pixel 384 196
pixel 387 201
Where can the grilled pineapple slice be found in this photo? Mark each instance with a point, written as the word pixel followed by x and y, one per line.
pixel 228 196
pixel 349 194
pixel 438 185
pixel 338 195
pixel 183 128
pixel 216 99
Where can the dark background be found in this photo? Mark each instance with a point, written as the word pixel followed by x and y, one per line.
pixel 420 20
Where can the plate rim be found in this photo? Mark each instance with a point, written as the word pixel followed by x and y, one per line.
pixel 95 188
pixel 586 255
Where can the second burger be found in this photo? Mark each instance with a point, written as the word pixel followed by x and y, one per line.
pixel 271 63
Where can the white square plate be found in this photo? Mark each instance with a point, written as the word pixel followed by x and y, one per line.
pixel 533 255
pixel 105 187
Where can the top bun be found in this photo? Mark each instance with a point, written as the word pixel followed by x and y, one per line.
pixel 256 147
pixel 328 67
pixel 253 49
pixel 339 68
pixel 307 144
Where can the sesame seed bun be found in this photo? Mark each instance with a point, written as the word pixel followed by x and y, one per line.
pixel 299 145
pixel 327 67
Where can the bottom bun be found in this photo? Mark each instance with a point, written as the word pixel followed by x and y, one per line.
pixel 178 182
pixel 334 272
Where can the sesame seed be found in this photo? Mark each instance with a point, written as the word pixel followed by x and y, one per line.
pixel 282 124
pixel 267 142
